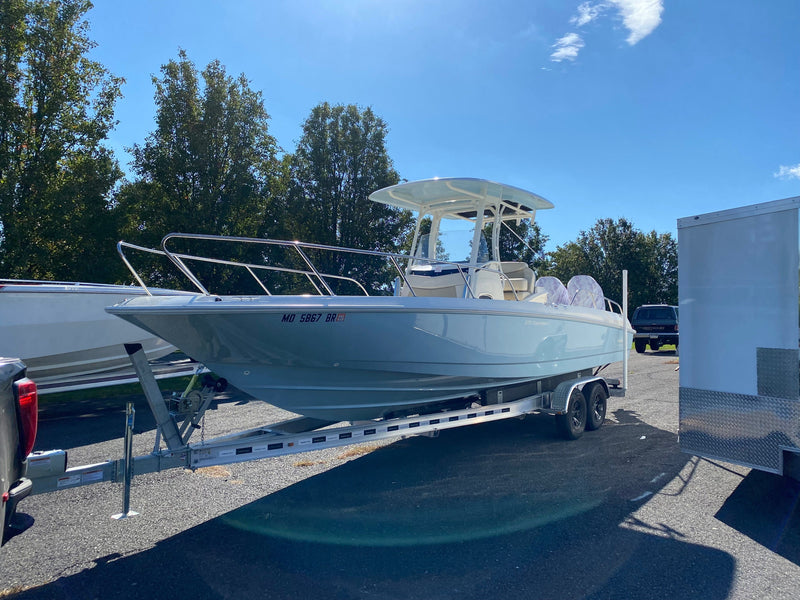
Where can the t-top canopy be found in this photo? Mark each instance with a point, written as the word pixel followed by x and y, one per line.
pixel 459 198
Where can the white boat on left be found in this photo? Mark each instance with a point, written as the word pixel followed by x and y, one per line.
pixel 61 329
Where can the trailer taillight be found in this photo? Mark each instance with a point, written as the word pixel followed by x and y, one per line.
pixel 28 413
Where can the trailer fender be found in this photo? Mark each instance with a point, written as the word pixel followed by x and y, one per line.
pixel 563 392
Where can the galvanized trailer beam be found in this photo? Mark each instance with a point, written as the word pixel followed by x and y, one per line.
pixel 49 471
pixel 166 423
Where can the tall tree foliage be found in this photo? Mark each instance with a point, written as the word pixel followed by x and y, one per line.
pixel 662 269
pixel 340 159
pixel 210 163
pixel 207 166
pixel 523 241
pixel 56 109
pixel 611 246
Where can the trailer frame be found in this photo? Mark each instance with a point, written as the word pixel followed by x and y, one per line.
pixel 49 471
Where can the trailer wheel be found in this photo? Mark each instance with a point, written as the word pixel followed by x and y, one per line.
pixel 573 422
pixel 597 404
pixel 641 346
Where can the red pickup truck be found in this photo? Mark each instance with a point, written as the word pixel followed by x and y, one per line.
pixel 18 422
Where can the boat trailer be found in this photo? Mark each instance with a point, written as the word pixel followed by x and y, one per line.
pixel 577 400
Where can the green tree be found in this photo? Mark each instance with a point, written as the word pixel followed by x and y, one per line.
pixel 611 246
pixel 56 109
pixel 523 241
pixel 340 159
pixel 662 269
pixel 209 166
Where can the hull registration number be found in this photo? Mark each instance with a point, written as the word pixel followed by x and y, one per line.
pixel 313 317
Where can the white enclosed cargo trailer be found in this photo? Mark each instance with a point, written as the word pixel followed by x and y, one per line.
pixel 740 368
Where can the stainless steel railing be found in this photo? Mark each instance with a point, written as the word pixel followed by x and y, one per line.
pixel 317 279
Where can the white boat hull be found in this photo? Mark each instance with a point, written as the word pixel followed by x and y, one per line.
pixel 61 330
pixel 353 358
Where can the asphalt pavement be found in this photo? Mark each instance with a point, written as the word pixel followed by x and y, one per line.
pixel 504 509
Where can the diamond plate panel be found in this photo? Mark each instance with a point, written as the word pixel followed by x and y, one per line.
pixel 778 374
pixel 739 428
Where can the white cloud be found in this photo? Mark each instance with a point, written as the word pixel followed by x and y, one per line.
pixel 785 172
pixel 640 17
pixel 587 12
pixel 567 47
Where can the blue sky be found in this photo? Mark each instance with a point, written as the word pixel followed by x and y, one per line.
pixel 646 109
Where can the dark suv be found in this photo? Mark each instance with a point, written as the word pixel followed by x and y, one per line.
pixel 655 324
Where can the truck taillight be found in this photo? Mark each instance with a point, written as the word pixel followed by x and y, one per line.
pixel 28 413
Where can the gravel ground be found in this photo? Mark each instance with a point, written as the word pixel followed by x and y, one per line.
pixel 501 509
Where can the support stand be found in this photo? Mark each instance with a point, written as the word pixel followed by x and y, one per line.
pixel 130 414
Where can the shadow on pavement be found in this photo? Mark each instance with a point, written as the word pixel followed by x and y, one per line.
pixel 766 508
pixel 498 510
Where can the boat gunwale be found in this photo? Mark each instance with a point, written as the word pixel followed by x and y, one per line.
pixel 350 304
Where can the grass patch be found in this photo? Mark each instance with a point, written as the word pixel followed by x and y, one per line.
pixel 660 348
pixel 358 451
pixel 13 591
pixel 216 471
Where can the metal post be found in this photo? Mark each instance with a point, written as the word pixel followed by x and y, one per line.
pixel 154 397
pixel 130 414
pixel 625 345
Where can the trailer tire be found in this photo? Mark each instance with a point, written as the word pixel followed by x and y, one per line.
pixel 641 346
pixel 597 403
pixel 572 423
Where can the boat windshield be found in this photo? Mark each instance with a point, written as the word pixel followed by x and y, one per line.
pixel 454 244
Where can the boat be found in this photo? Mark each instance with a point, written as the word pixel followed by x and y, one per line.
pixel 457 325
pixel 62 331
